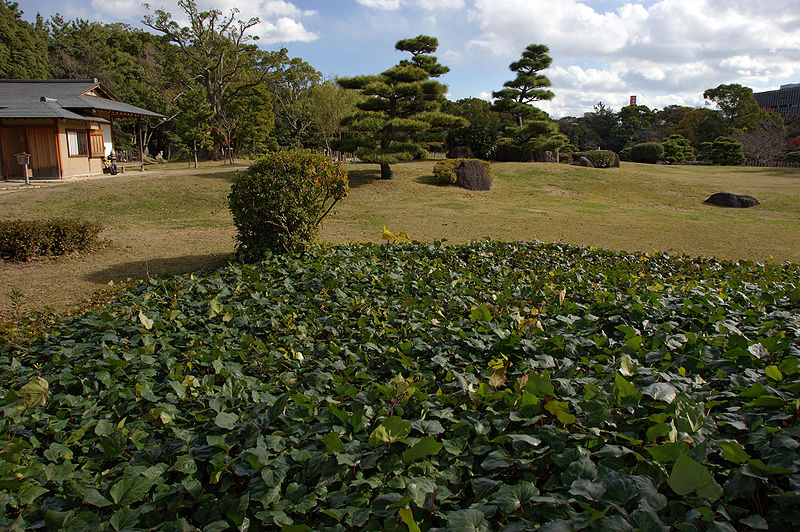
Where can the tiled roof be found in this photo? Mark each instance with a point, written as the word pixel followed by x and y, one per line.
pixel 21 97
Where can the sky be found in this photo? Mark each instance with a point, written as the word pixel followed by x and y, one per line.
pixel 664 52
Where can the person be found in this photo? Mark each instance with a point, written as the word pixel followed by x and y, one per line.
pixel 112 166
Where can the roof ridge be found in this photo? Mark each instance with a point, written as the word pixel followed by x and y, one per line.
pixel 88 80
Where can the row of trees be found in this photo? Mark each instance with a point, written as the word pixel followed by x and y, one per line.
pixel 219 91
pixel 222 93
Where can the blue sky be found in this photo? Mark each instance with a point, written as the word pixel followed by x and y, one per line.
pixel 663 51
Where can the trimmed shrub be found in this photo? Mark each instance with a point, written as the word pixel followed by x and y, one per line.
pixel 444 172
pixel 677 149
pixel 792 157
pixel 279 202
pixel 647 152
pixel 599 158
pixel 23 240
pixel 724 151
pixel 625 154
pixel 508 152
pixel 565 158
pixel 482 140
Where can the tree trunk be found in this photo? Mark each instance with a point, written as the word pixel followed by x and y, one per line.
pixel 386 171
pixel 194 146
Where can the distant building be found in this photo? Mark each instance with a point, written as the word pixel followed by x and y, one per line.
pixel 785 101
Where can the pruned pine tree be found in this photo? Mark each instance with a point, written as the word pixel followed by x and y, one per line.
pixel 529 127
pixel 400 109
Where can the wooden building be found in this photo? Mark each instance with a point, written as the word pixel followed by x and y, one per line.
pixel 64 124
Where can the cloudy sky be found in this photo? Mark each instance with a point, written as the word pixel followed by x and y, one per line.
pixel 663 51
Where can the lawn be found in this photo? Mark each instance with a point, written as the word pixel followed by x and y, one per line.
pixel 173 220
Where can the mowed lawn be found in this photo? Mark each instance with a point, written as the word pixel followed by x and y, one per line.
pixel 174 220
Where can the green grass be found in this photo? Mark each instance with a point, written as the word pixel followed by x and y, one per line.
pixel 172 220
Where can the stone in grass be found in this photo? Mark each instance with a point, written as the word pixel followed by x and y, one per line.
pixel 582 161
pixel 460 152
pixel 472 175
pixel 726 199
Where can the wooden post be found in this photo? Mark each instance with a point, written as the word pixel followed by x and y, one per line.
pixel 141 148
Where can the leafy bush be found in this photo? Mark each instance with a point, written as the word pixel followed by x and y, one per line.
pixel 625 154
pixel 482 140
pixel 23 240
pixel 466 387
pixel 599 158
pixel 647 152
pixel 444 171
pixel 677 149
pixel 792 157
pixel 723 151
pixel 566 158
pixel 279 202
pixel 508 152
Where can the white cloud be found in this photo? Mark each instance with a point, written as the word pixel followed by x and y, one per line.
pixel 428 5
pixel 669 47
pixel 117 8
pixel 381 4
pixel 284 29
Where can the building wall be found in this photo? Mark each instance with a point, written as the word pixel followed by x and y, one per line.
pixel 76 166
pixel 785 101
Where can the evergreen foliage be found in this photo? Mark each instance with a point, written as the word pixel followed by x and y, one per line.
pixel 677 149
pixel 400 109
pixel 647 152
pixel 529 128
pixel 23 46
pixel 279 202
pixel 724 151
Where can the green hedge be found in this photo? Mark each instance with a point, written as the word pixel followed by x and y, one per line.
pixel 23 240
pixel 445 171
pixel 599 158
pixel 647 152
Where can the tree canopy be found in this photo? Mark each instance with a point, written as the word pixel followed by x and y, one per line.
pixel 401 107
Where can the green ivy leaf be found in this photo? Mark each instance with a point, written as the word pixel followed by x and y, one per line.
pixel 427 446
pixel 560 409
pixel 226 420
pixel 129 490
pixel 393 429
pixel 688 476
pixel 407 516
pixel 466 521
pixel 774 373
pixel 733 451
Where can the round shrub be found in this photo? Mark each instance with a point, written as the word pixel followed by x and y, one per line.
pixel 482 140
pixel 279 202
pixel 445 172
pixel 625 154
pixel 508 152
pixel 723 151
pixel 647 152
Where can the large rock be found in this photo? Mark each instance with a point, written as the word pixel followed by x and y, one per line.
pixel 472 175
pixel 582 161
pixel 460 152
pixel 545 157
pixel 726 199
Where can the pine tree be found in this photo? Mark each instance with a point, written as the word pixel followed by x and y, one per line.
pixel 400 109
pixel 530 127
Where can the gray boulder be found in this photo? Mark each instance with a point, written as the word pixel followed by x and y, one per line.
pixel 472 175
pixel 726 199
pixel 582 161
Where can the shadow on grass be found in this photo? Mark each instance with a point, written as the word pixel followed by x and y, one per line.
pixel 359 178
pixel 164 266
pixel 426 180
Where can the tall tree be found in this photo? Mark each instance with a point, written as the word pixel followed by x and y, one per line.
pixel 217 55
pixel 529 127
pixel 401 107
pixel 329 104
pixel 738 105
pixel 291 88
pixel 23 46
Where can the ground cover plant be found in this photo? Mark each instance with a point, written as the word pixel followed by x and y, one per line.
pixel 413 387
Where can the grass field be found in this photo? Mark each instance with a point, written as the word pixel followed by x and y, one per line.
pixel 173 220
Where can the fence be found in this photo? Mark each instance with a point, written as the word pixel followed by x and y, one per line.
pixel 771 164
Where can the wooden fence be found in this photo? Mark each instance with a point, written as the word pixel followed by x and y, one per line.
pixel 771 164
